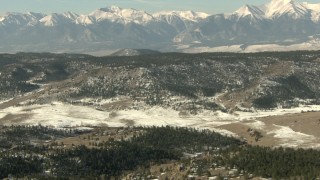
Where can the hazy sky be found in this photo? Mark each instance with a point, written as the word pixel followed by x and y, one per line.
pixel 87 6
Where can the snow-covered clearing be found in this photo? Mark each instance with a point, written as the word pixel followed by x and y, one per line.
pixel 290 138
pixel 277 112
pixel 59 115
pixel 312 44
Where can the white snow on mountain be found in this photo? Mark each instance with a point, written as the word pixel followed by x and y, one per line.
pixel 70 15
pixel 105 14
pixel 275 23
pixel 85 20
pixel 186 15
pixel 20 18
pixel 315 11
pixel 252 11
pixel 313 7
pixel 278 8
pixel 117 14
pixel 55 19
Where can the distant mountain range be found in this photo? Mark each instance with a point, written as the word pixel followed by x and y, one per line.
pixel 278 25
pixel 134 52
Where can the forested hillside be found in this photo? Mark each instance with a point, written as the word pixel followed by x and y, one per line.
pixel 191 153
pixel 184 82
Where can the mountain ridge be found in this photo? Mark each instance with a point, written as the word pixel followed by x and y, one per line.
pixel 134 52
pixel 111 28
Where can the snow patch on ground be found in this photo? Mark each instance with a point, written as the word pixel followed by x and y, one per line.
pixel 312 44
pixel 276 112
pixel 6 100
pixel 100 102
pixel 290 138
pixel 257 125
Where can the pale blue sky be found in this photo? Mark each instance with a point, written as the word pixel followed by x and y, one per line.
pixel 87 6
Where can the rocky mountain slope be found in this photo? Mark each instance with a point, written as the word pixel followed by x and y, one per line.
pixel 277 23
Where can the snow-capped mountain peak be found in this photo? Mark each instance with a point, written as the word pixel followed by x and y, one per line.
pixel 36 15
pixel 277 8
pixel 252 11
pixel 111 9
pixel 70 15
pixel 136 15
pixel 191 15
pixel 20 19
pixel 281 2
pixel 278 4
pixel 244 10
pixel 113 28
pixel 115 8
pixel 117 14
pixel 50 20
pixel 55 19
pixel 103 14
pixel 186 15
pixel 85 20
pixel 314 7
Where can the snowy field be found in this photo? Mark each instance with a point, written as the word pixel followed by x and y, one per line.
pixel 290 138
pixel 312 44
pixel 277 112
pixel 60 115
